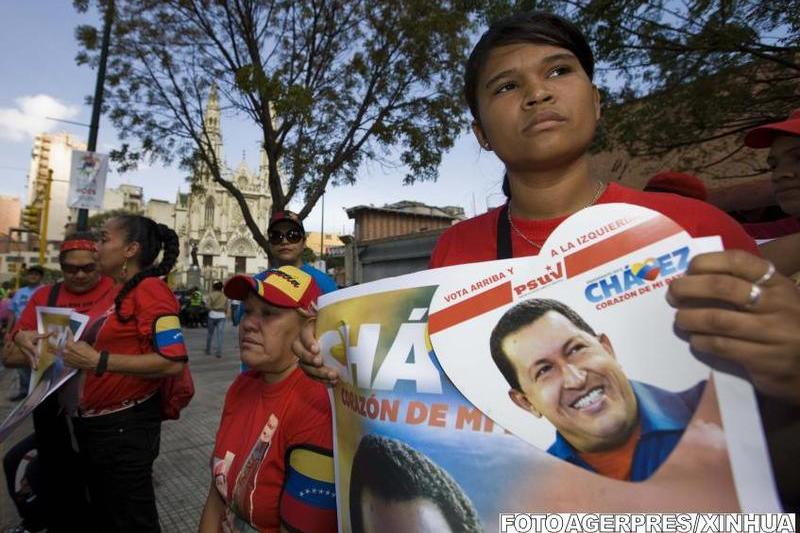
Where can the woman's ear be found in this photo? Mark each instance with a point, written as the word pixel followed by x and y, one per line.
pixel 479 135
pixel 132 250
pixel 597 102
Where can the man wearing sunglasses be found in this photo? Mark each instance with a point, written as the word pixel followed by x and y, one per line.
pixel 86 291
pixel 287 240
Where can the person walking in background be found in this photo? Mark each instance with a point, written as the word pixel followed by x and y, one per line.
pixel 6 315
pixel 217 311
pixel 195 309
pixel 33 279
pixel 126 353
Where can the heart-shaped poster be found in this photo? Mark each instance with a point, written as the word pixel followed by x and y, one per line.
pixel 574 350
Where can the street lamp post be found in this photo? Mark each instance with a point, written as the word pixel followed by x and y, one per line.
pixel 97 103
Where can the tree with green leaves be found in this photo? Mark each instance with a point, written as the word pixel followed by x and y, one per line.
pixel 329 84
pixel 686 77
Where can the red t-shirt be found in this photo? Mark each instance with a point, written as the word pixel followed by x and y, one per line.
pixel 99 297
pixel 273 458
pixel 150 304
pixel 475 239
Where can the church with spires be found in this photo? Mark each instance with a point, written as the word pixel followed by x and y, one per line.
pixel 208 219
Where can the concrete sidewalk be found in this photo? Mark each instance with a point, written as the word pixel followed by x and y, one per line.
pixel 181 473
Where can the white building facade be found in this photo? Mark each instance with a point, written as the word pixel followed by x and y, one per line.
pixel 52 151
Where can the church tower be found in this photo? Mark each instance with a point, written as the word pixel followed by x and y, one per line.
pixel 211 123
pixel 213 223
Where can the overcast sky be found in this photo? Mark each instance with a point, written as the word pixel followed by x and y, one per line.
pixel 41 79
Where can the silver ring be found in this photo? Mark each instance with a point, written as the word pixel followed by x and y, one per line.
pixel 767 275
pixel 754 298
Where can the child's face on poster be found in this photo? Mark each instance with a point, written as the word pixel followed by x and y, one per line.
pixel 572 379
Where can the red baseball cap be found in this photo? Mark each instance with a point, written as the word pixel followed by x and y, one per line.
pixel 287 286
pixel 286 216
pixel 678 183
pixel 762 136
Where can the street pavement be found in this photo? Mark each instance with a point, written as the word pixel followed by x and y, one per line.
pixel 181 473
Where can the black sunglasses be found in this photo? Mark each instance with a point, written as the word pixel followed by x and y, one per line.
pixel 292 236
pixel 74 269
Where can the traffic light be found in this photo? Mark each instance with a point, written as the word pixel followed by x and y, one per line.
pixel 31 218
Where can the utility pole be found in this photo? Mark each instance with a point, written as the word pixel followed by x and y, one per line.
pixel 45 218
pixel 322 229
pixel 97 102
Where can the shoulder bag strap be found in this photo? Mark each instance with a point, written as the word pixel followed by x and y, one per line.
pixel 52 298
pixel 503 234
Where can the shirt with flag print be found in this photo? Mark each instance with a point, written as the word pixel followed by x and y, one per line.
pixel 153 327
pixel 273 459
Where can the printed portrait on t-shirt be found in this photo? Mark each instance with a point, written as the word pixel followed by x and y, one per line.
pixel 241 502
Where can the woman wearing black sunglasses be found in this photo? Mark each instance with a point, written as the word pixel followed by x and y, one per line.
pixel 287 240
pixel 61 489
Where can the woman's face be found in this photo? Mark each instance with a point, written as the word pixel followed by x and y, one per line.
pixel 266 333
pixel 112 248
pixel 79 268
pixel 538 108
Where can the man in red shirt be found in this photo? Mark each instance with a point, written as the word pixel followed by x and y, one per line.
pixel 83 288
pixel 783 141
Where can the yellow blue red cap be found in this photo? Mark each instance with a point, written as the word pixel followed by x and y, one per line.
pixel 287 286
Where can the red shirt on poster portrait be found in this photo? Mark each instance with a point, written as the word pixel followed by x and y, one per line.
pixel 92 301
pixel 475 239
pixel 273 461
pixel 148 303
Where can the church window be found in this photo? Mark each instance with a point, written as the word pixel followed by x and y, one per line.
pixel 210 212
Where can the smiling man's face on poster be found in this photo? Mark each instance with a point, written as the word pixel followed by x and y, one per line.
pixel 570 377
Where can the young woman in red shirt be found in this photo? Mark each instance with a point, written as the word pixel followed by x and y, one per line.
pixel 528 83
pixel 127 351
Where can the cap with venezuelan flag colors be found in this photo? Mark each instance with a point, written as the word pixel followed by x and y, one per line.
pixel 287 286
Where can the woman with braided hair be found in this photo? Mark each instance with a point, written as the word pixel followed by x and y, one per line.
pixel 125 354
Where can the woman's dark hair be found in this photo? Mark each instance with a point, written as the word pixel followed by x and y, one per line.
pixel 152 238
pixel 538 27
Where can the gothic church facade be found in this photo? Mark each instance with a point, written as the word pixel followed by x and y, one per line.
pixel 209 220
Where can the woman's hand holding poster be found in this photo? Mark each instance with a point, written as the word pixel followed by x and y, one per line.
pixel 50 372
pixel 551 383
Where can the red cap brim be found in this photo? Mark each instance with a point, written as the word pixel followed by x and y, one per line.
pixel 238 287
pixel 763 136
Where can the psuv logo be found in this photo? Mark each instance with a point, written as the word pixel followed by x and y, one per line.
pixel 638 275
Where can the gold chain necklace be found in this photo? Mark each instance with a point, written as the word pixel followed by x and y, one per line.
pixel 599 192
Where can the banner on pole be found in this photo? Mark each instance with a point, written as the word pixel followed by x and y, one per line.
pixel 87 180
